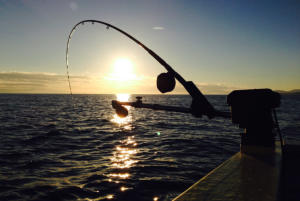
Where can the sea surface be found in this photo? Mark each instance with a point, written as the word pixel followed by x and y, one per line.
pixel 58 147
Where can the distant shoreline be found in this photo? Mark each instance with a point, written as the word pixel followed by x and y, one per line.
pixel 291 92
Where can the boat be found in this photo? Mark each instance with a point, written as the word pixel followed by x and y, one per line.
pixel 263 170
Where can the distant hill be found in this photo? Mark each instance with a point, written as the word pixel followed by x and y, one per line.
pixel 294 91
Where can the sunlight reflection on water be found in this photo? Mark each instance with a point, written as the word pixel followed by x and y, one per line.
pixel 123 154
pixel 122 159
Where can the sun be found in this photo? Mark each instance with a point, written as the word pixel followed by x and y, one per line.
pixel 123 66
pixel 123 70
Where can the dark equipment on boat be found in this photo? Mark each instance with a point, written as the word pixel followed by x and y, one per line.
pixel 253 110
pixel 118 106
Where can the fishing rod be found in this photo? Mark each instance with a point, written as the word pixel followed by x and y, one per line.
pixel 250 109
pixel 165 83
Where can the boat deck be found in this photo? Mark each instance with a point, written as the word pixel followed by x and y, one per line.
pixel 243 177
pixel 291 172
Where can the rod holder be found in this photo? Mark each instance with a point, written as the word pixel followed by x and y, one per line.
pixel 252 110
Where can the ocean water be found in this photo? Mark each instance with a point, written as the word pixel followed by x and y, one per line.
pixel 54 147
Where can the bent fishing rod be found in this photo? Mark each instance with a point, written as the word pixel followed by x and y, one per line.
pixel 165 83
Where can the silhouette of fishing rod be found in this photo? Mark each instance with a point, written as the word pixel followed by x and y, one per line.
pixel 165 83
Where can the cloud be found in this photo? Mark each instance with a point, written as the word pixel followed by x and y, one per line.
pixel 158 28
pixel 206 88
pixel 27 82
pixel 31 82
pixel 215 88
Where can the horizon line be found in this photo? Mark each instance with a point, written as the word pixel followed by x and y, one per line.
pixel 186 94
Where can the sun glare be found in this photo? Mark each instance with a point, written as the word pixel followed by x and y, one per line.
pixel 123 66
pixel 123 70
pixel 122 97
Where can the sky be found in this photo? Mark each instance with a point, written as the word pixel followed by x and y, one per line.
pixel 219 45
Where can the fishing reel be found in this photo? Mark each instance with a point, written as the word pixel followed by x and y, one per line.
pixel 165 82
